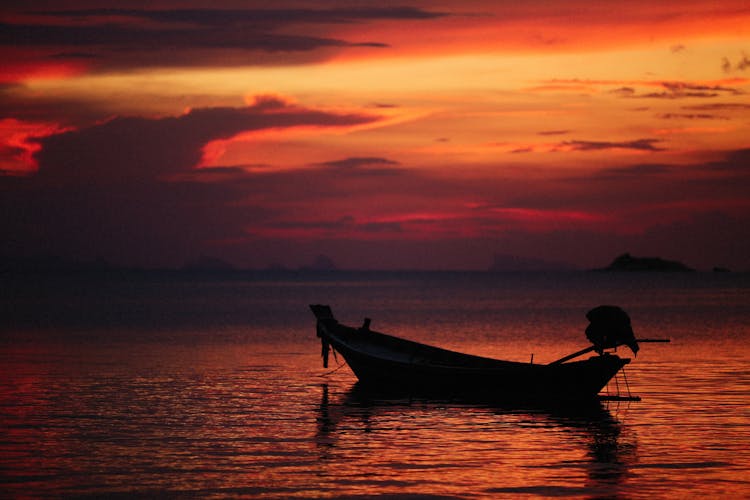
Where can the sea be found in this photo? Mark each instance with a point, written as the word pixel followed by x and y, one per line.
pixel 171 384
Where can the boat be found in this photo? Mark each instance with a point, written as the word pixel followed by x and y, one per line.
pixel 387 363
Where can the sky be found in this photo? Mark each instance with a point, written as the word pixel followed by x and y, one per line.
pixel 384 135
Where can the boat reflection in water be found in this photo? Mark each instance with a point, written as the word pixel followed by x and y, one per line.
pixel 445 447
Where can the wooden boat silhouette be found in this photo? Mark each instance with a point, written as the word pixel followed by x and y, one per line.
pixel 387 363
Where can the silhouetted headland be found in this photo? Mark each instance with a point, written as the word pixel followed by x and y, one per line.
pixel 627 262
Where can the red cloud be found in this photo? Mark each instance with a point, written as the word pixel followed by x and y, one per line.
pixel 19 142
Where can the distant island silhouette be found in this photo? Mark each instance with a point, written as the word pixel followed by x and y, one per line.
pixel 627 262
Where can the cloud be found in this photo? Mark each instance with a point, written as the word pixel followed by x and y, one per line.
pixel 127 188
pixel 553 132
pixel 679 90
pixel 634 171
pixel 123 38
pixel 19 143
pixel 343 223
pixel 670 89
pixel 134 147
pixel 634 89
pixel 12 158
pixel 382 227
pixel 383 105
pixel 719 106
pixel 624 92
pixel 424 206
pixel 133 38
pixel 22 103
pixel 736 162
pixel 252 17
pixel 74 55
pixel 359 162
pixel 346 225
pixel 742 64
pixel 638 144
pixel 690 116
pixel 717 180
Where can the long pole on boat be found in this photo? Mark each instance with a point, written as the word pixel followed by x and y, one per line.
pixel 591 348
pixel 574 355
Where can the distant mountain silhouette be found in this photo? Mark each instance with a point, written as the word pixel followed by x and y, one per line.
pixel 321 263
pixel 207 263
pixel 627 262
pixel 276 267
pixel 54 264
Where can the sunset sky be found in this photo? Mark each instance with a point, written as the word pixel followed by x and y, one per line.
pixel 386 135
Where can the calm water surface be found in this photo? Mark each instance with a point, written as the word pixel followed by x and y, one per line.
pixel 162 385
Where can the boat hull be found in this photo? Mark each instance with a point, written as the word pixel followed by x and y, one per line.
pixel 386 363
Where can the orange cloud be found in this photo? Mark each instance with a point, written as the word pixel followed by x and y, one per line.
pixel 548 27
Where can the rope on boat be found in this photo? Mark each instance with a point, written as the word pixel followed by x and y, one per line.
pixel 333 371
pixel 617 383
pixel 625 378
pixel 618 396
pixel 340 365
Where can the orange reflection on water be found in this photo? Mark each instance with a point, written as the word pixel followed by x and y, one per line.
pixel 448 447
